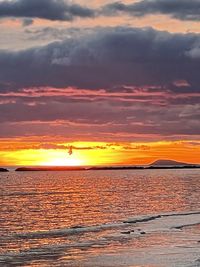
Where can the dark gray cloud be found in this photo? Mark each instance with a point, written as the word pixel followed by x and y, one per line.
pixel 65 10
pixel 105 59
pixel 45 9
pixel 179 9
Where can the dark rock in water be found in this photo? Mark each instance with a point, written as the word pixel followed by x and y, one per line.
pixel 142 233
pixel 3 170
pixel 77 227
pixel 126 232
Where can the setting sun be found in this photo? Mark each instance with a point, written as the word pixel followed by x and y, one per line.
pixel 67 161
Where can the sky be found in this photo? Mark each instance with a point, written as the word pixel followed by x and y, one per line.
pixel 116 80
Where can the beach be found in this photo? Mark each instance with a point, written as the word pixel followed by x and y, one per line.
pixel 100 218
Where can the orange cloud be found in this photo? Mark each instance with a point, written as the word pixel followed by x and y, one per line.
pixel 16 152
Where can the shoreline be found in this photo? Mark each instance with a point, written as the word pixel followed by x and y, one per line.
pixel 162 239
pixel 64 168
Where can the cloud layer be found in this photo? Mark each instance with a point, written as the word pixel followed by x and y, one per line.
pixel 64 10
pixel 182 10
pixel 112 84
pixel 106 59
pixel 45 9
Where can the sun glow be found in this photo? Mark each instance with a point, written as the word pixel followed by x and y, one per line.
pixel 96 153
pixel 61 158
pixel 68 161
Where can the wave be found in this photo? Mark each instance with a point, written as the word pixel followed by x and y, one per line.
pixel 157 216
pixel 69 231
pixel 46 252
pixel 13 194
pixel 109 226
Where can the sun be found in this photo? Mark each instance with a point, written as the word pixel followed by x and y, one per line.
pixel 60 158
pixel 65 162
pixel 70 161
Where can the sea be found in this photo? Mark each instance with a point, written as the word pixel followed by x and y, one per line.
pixel 100 218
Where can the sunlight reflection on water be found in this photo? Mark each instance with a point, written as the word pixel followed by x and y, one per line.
pixel 43 201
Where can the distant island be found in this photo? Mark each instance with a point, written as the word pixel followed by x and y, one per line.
pixel 171 164
pixel 3 170
pixel 158 164
pixel 51 168
pixel 168 162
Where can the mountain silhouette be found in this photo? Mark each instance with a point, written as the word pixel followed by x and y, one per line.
pixel 168 162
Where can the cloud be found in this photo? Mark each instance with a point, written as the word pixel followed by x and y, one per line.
pixel 114 83
pixel 56 33
pixel 48 145
pixel 44 9
pixel 182 10
pixel 105 59
pixel 194 52
pixel 98 120
pixel 27 22
pixel 66 10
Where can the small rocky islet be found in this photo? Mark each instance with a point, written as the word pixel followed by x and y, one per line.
pixel 3 170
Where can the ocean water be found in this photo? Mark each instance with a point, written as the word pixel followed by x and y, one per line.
pixel 100 218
